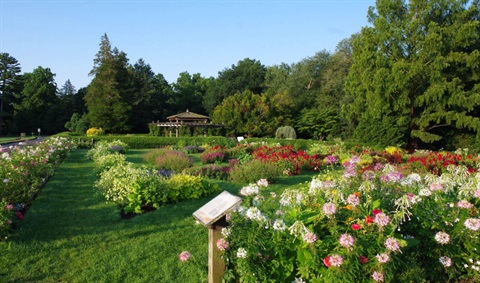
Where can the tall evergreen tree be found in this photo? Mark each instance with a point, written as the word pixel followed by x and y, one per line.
pixel 9 71
pixel 415 74
pixel 109 93
pixel 188 93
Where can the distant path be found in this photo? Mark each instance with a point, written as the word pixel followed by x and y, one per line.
pixel 30 141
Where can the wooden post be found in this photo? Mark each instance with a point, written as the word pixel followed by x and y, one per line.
pixel 216 265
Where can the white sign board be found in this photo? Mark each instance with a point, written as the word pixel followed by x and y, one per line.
pixel 216 208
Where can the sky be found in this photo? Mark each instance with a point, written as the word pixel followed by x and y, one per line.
pixel 194 36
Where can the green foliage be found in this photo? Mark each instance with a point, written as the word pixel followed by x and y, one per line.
pixel 247 75
pixel 145 141
pixel 9 74
pixel 413 71
pixel 38 95
pixel 107 95
pixel 254 170
pixel 244 113
pixel 286 132
pixel 184 186
pixel 77 124
pixel 211 171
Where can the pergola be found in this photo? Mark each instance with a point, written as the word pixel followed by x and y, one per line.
pixel 188 120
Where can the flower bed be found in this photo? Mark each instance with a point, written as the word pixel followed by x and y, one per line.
pixel 383 225
pixel 24 169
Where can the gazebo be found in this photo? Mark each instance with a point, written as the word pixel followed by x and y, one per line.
pixel 188 120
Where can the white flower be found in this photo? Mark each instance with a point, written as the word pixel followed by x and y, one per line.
pixel 446 261
pixel 279 225
pixel 262 183
pixel 298 280
pixel 472 224
pixel 226 232
pixel 241 253
pixel 442 238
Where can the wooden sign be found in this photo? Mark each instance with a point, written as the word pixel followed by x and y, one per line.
pixel 216 208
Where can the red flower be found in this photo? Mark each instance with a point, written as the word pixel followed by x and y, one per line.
pixel 363 259
pixel 19 215
pixel 356 226
pixel 326 261
pixel 376 211
pixel 369 220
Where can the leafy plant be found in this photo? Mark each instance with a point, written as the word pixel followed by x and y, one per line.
pixel 254 170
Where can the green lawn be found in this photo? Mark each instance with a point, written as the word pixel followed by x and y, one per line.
pixel 70 234
pixel 4 140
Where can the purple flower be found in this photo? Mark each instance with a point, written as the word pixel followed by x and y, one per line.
pixel 392 244
pixel 346 240
pixel 331 159
pixel 310 237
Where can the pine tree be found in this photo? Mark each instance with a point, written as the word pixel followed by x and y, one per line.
pixel 416 72
pixel 108 93
pixel 9 71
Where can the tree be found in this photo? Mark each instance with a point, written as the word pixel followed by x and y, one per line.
pixel 415 74
pixel 149 96
pixel 248 74
pixel 35 100
pixel 188 93
pixel 245 114
pixel 9 71
pixel 108 94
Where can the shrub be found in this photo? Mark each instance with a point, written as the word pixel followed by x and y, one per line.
pixel 94 131
pixel 286 132
pixel 103 148
pixel 107 161
pixel 169 159
pixel 184 186
pixel 254 170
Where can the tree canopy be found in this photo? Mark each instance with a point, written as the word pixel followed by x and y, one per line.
pixel 415 72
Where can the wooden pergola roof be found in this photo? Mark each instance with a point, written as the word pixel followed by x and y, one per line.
pixel 189 120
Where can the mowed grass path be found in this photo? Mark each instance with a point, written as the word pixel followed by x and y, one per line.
pixel 70 234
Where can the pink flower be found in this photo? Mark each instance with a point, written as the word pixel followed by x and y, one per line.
pixel 346 240
pixel 381 219
pixel 392 244
pixel 376 211
pixel 327 262
pixel 382 258
pixel 464 204
pixel 9 207
pixel 353 199
pixel 377 276
pixel 356 226
pixel 336 260
pixel 329 209
pixel 310 237
pixel 222 244
pixel 442 238
pixel 436 187
pixel 184 256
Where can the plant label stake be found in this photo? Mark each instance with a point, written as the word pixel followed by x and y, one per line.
pixel 213 216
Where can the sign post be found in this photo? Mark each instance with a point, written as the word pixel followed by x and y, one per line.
pixel 213 216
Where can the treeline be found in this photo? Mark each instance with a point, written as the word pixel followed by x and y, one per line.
pixel 411 78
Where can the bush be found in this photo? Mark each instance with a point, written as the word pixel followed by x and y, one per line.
pixel 286 132
pixel 189 149
pixel 184 186
pixel 212 171
pixel 94 131
pixel 168 159
pixel 254 170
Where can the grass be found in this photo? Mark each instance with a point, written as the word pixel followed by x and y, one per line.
pixel 70 234
pixel 6 140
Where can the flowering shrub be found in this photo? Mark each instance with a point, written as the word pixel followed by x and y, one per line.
pixel 437 162
pixel 23 171
pixel 137 189
pixel 292 161
pixel 103 148
pixel 94 131
pixel 378 226
pixel 193 149
pixel 213 155
pixel 168 159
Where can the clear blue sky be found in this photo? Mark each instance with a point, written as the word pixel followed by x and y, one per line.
pixel 173 36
